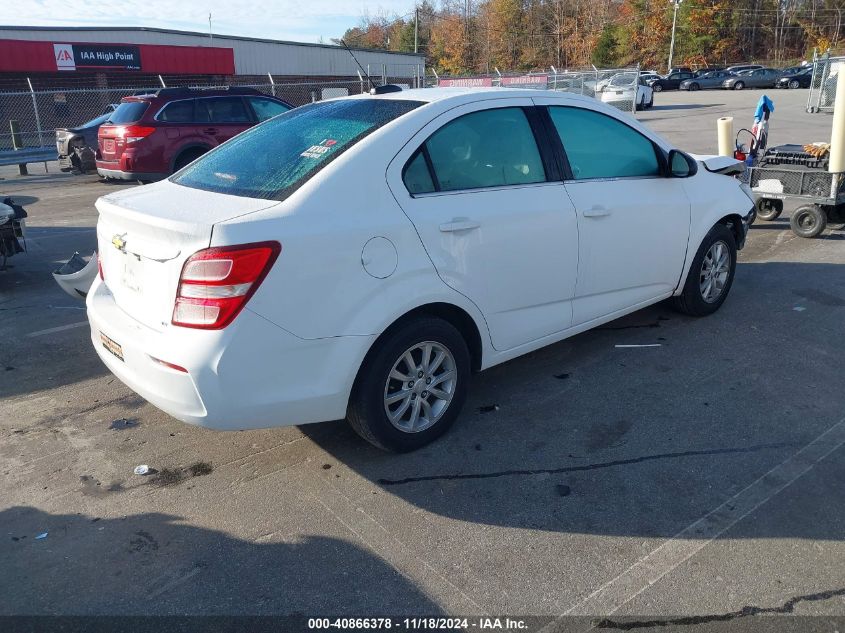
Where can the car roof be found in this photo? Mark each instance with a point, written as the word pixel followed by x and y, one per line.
pixel 468 95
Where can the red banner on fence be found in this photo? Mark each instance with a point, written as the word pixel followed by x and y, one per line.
pixel 465 82
pixel 526 80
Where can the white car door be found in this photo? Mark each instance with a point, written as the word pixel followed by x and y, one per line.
pixel 494 216
pixel 633 222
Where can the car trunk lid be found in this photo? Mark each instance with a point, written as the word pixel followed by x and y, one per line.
pixel 146 234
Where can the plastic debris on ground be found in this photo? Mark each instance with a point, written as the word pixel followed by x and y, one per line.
pixel 143 469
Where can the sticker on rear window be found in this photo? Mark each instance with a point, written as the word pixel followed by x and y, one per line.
pixel 316 151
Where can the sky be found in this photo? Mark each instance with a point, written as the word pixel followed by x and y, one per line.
pixel 298 20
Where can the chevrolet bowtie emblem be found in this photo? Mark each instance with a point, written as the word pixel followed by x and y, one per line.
pixel 119 243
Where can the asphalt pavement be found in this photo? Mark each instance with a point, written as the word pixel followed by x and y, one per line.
pixel 696 478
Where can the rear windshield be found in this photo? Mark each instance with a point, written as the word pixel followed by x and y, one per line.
pixel 128 112
pixel 273 159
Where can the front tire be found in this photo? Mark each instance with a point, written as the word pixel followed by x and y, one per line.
pixel 694 87
pixel 793 84
pixel 808 221
pixel 657 88
pixel 739 85
pixel 711 274
pixel 412 386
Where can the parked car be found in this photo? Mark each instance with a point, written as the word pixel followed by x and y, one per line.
pixel 758 78
pixel 650 76
pixel 705 71
pixel 740 67
pixel 672 81
pixel 799 79
pixel 150 136
pixel 679 69
pixel 707 81
pixel 77 146
pixel 360 257
pixel 628 88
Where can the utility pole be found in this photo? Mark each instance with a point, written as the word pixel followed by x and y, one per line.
pixel 677 4
pixel 210 34
pixel 416 28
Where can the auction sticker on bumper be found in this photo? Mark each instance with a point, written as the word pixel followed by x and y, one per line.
pixel 110 345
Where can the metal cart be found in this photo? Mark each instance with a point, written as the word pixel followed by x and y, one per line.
pixel 820 194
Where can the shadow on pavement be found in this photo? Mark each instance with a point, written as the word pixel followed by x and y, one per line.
pixel 583 437
pixel 153 564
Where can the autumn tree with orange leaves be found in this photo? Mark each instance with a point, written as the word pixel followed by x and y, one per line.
pixel 477 36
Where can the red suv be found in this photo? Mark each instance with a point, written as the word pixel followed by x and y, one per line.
pixel 150 136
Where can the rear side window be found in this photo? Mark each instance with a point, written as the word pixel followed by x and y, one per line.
pixel 489 148
pixel 273 159
pixel 417 177
pixel 227 110
pixel 599 146
pixel 267 108
pixel 128 112
pixel 177 112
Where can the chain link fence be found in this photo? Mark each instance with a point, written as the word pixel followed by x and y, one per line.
pixel 619 87
pixel 30 112
pixel 35 113
pixel 823 83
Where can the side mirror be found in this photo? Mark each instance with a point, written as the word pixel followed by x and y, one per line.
pixel 681 165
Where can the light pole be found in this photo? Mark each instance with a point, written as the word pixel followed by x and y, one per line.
pixel 677 4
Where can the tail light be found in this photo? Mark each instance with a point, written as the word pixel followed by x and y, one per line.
pixel 132 133
pixel 100 268
pixel 216 283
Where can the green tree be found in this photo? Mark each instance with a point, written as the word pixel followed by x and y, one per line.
pixel 606 53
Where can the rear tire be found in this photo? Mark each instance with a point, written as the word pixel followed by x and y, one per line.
pixel 187 157
pixel 428 408
pixel 808 221
pixel 711 274
pixel 769 209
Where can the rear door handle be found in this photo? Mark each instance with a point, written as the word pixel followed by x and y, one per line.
pixel 459 225
pixel 596 211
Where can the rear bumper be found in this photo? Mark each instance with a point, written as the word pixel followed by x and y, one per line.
pixel 119 174
pixel 249 375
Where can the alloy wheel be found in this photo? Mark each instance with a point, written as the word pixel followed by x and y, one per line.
pixel 715 270
pixel 420 387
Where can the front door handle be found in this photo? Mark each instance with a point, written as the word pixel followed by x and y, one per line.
pixel 210 130
pixel 459 224
pixel 596 211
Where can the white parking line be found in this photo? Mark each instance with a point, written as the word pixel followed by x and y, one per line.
pixel 615 593
pixel 53 330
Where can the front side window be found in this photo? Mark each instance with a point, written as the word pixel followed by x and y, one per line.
pixel 489 148
pixel 274 158
pixel 267 108
pixel 599 146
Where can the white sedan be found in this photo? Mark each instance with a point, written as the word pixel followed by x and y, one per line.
pixel 626 89
pixel 358 258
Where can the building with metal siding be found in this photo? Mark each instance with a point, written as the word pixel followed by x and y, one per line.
pixel 252 56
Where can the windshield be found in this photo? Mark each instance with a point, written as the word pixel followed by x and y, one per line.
pixel 128 112
pixel 273 159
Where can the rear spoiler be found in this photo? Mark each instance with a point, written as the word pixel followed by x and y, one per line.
pixel 721 164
